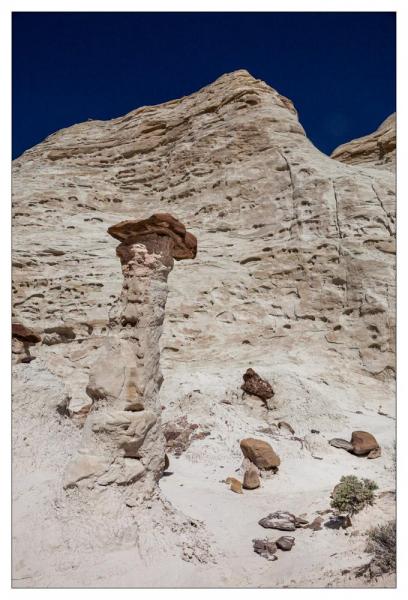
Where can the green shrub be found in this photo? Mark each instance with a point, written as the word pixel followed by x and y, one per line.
pixel 382 543
pixel 352 494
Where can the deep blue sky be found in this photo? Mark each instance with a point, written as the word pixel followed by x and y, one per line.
pixel 338 68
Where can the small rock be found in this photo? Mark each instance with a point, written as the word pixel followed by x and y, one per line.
pixel 284 425
pixel 316 524
pixel 286 542
pixel 235 485
pixel 340 443
pixel 251 478
pixel 314 431
pixel 376 453
pixel 363 442
pixel 283 520
pixel 255 385
pixel 265 548
pixel 299 522
pixel 260 453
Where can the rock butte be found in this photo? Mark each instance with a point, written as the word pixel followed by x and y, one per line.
pixel 294 278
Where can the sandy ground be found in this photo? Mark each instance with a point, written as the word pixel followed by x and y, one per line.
pixel 199 533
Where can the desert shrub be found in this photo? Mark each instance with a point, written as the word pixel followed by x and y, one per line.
pixel 382 543
pixel 352 494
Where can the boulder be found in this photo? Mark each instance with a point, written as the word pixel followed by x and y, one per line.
pixel 251 478
pixel 260 453
pixel 363 443
pixel 255 385
pixel 283 520
pixel 286 542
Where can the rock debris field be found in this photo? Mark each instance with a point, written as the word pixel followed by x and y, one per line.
pixel 203 345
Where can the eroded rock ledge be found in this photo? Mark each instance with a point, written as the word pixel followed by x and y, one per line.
pixel 122 438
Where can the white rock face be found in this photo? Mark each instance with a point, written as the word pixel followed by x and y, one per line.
pixel 294 277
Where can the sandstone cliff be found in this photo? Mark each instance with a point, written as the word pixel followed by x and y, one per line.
pixel 294 277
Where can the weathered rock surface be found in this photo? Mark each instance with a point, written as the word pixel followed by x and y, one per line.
pixel 294 274
pixel 260 453
pixel 377 149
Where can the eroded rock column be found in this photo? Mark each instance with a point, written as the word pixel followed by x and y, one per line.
pixel 123 441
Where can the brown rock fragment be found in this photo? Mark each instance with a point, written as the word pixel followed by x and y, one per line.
pixel 265 548
pixel 376 453
pixel 235 485
pixel 260 453
pixel 255 385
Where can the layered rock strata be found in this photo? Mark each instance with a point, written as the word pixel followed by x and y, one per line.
pixel 122 439
pixel 377 149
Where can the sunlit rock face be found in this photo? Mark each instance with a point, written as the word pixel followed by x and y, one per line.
pixel 294 277
pixel 377 149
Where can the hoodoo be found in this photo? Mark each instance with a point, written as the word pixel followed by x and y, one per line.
pixel 123 441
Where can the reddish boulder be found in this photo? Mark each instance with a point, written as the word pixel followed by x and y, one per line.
pixel 363 442
pixel 260 453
